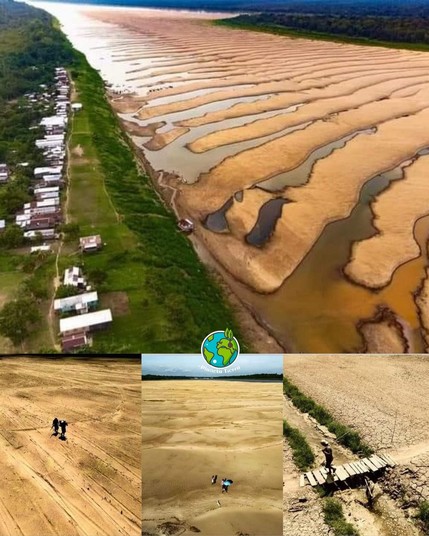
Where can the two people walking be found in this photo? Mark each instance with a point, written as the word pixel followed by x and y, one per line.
pixel 226 482
pixel 56 425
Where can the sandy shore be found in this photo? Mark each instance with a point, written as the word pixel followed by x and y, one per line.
pixel 374 261
pixel 193 429
pixel 89 484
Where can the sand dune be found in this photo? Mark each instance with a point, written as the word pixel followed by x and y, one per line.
pixel 89 484
pixel 193 429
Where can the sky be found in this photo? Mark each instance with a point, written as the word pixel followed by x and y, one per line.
pixel 190 365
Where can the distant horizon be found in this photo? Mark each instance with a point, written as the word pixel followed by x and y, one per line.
pixel 194 365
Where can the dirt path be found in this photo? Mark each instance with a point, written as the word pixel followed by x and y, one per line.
pixel 387 519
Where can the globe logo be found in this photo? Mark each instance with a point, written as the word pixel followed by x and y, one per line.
pixel 220 349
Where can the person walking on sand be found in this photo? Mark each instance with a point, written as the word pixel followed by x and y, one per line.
pixel 329 457
pixel 63 426
pixel 55 426
pixel 214 479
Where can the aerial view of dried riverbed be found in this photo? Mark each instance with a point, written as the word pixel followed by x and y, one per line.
pixel 301 163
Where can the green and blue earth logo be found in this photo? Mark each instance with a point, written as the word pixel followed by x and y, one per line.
pixel 220 349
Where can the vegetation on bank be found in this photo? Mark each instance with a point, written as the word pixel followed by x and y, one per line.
pixel 221 377
pixel 345 435
pixel 393 32
pixel 302 454
pixel 30 49
pixel 168 301
pixel 423 515
pixel 172 299
pixel 334 518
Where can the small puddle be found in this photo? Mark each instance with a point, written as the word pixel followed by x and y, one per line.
pixel 301 174
pixel 216 221
pixel 264 227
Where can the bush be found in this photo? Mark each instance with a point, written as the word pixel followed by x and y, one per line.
pixel 345 435
pixel 71 231
pixel 64 291
pixel 423 515
pixel 301 451
pixel 17 318
pixel 334 518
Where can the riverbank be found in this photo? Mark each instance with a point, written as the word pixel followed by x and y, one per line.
pixel 250 148
pixel 169 292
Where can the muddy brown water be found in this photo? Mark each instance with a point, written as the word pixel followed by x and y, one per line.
pixel 265 225
pixel 317 308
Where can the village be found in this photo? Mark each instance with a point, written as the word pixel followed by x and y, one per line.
pixel 40 219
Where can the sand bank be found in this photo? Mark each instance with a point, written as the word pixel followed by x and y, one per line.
pixel 193 429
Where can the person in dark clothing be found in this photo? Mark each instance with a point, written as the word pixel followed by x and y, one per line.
pixel 63 426
pixel 214 479
pixel 329 457
pixel 55 426
pixel 369 492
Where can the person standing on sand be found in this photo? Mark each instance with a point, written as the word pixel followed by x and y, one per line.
pixel 63 426
pixel 55 426
pixel 214 479
pixel 329 457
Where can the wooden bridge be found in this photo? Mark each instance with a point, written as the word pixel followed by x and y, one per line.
pixel 364 466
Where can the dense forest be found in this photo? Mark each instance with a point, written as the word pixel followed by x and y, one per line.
pixel 396 29
pixel 30 49
pixel 414 8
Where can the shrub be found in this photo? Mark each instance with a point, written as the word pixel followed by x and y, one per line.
pixel 345 435
pixel 301 451
pixel 423 515
pixel 334 518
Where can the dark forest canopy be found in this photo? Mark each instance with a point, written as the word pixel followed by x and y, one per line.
pixel 30 48
pixel 414 30
pixel 415 8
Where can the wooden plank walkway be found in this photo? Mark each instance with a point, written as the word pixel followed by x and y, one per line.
pixel 372 464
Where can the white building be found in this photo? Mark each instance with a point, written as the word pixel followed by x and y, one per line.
pixel 73 277
pixel 88 321
pixel 80 303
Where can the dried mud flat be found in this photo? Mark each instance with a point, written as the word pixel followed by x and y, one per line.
pixel 89 484
pixel 193 429
pixel 384 398
pixel 244 119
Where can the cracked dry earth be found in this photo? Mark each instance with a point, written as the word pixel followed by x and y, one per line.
pixel 385 399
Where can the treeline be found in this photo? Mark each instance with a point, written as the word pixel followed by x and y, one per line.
pixel 254 377
pixel 394 29
pixel 30 48
pixel 416 8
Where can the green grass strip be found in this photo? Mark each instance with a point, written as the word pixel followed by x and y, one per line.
pixel 302 454
pixel 334 518
pixel 178 302
pixel 345 435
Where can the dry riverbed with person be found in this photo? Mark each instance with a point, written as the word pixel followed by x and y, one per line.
pixel 379 399
pixel 87 483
